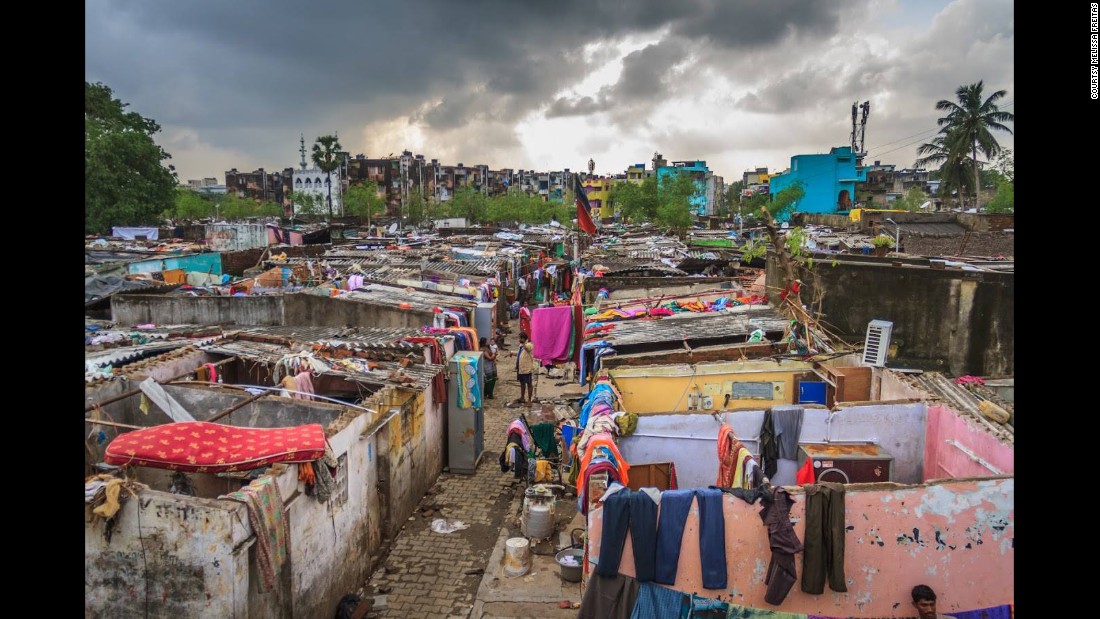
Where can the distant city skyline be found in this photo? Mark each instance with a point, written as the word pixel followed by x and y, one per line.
pixel 522 85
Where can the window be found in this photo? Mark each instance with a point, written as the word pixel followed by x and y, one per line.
pixel 340 496
pixel 298 182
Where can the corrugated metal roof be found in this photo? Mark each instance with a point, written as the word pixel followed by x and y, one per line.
pixel 696 328
pixel 379 294
pixel 663 270
pixel 356 338
pixel 963 401
pixel 95 361
pixel 269 353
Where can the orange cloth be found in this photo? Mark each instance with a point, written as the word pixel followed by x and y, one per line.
pixel 305 473
pixel 604 439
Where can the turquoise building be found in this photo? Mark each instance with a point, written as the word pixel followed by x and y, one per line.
pixel 829 180
pixel 699 172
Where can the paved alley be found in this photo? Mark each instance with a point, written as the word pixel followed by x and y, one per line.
pixel 429 574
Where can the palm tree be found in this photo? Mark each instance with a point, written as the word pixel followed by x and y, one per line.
pixel 325 152
pixel 952 165
pixel 969 123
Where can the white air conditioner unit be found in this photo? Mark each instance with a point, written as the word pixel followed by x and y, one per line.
pixel 877 344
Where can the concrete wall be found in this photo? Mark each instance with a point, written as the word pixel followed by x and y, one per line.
pixel 197 549
pixel 986 222
pixel 168 555
pixel 959 321
pixel 956 536
pixel 203 263
pixel 231 237
pixel 824 219
pixel 162 310
pixel 666 388
pixel 306 309
pixel 974 244
pixel 954 444
pixel 690 440
pixel 301 309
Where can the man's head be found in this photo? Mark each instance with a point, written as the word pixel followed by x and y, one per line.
pixel 523 338
pixel 482 342
pixel 924 600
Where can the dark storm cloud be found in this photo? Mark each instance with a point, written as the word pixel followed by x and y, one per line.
pixel 741 25
pixel 646 79
pixel 276 61
pixel 576 107
pixel 243 78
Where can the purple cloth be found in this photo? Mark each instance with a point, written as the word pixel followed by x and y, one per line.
pixel 551 332
pixel 995 612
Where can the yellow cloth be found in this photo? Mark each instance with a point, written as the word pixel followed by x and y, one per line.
pixel 739 468
pixel 543 471
pixel 144 404
pixel 110 504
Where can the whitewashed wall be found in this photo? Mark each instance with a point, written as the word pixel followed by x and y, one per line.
pixel 691 440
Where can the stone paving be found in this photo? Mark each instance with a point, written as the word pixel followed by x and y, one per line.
pixel 430 574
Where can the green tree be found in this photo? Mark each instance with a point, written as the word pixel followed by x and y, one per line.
pixel 190 204
pixel 269 208
pixel 637 202
pixel 1005 163
pixel 674 208
pixel 417 207
pixel 469 203
pixel 125 183
pixel 954 166
pixel 326 156
pixel 306 203
pixel 1003 201
pixel 969 124
pixel 911 201
pixel 731 199
pixel 784 202
pixel 364 201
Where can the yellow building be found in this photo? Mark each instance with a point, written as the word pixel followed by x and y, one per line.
pixel 705 386
pixel 636 173
pixel 598 190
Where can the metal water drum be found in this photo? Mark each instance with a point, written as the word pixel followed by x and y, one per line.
pixel 517 556
pixel 537 520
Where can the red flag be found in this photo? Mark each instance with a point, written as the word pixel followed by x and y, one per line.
pixel 584 217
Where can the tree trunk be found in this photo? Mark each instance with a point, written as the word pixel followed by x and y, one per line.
pixel 977 179
pixel 785 261
pixel 329 195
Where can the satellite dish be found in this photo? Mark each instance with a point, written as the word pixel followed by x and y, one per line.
pixel 392 228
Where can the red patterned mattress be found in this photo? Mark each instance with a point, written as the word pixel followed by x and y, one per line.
pixel 201 447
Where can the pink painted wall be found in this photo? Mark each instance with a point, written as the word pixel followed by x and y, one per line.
pixel 295 237
pixel 956 536
pixel 943 460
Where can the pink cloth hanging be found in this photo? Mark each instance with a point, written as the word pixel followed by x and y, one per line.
pixel 551 332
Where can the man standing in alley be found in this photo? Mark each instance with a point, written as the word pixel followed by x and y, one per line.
pixel 924 600
pixel 525 367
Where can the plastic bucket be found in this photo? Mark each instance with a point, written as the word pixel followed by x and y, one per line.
pixel 517 556
pixel 570 573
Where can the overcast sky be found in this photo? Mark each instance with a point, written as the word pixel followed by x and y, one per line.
pixel 544 85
